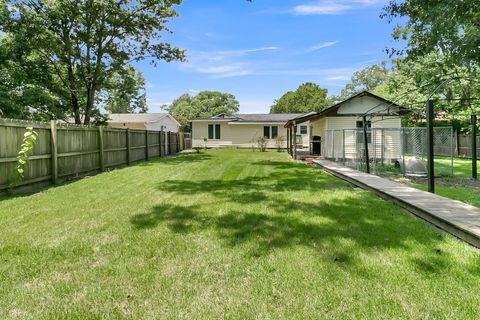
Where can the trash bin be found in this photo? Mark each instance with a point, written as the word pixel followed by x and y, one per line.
pixel 316 145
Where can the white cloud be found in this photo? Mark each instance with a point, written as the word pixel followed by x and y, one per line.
pixel 321 46
pixel 194 91
pixel 321 9
pixel 226 70
pixel 225 63
pixel 333 7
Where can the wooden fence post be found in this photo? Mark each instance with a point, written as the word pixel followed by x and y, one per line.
pixel 100 148
pixel 54 159
pixel 169 143
pixel 178 141
pixel 146 144
pixel 160 142
pixel 128 145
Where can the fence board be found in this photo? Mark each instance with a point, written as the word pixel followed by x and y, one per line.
pixel 77 149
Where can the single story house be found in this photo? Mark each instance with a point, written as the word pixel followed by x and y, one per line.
pixel 242 130
pixel 144 121
pixel 339 128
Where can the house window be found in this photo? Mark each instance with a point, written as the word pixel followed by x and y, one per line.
pixel 214 131
pixel 360 132
pixel 266 132
pixel 274 132
pixel 303 129
pixel 270 132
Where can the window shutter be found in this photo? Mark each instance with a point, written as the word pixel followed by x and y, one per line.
pixel 217 131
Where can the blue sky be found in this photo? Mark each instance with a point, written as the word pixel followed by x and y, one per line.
pixel 258 51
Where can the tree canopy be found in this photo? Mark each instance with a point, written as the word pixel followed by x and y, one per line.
pixel 72 49
pixel 204 104
pixel 308 97
pixel 125 93
pixel 447 27
pixel 368 79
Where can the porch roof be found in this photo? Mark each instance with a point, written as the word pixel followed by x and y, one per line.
pixel 332 110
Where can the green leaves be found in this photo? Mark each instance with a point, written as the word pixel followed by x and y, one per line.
pixel 308 97
pixel 73 49
pixel 204 104
pixel 23 156
pixel 448 27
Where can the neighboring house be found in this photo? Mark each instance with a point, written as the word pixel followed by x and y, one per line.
pixel 144 121
pixel 339 127
pixel 242 130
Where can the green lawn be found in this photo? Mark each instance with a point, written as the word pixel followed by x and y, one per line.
pixel 226 234
pixel 457 187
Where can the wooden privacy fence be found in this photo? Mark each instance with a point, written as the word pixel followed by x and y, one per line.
pixel 62 151
pixel 463 145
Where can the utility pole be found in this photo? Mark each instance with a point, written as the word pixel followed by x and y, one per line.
pixel 365 142
pixel 430 156
pixel 474 146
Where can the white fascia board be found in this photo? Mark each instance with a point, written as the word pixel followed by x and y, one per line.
pixel 260 123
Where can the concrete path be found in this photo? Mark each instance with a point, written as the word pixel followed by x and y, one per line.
pixel 460 219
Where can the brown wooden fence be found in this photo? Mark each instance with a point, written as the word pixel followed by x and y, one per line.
pixel 463 145
pixel 64 151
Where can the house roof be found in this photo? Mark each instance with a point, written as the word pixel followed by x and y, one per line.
pixel 333 109
pixel 136 117
pixel 253 117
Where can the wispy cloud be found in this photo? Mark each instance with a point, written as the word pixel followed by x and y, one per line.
pixel 321 9
pixel 226 71
pixel 225 63
pixel 321 46
pixel 332 7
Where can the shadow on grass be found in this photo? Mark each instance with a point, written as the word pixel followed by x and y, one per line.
pixel 177 159
pixel 337 229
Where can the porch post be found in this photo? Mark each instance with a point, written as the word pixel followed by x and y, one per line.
pixel 288 137
pixel 294 141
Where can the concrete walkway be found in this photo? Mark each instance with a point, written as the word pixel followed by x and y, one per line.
pixel 460 219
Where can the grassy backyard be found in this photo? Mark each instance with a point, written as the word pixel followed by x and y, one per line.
pixel 460 186
pixel 226 234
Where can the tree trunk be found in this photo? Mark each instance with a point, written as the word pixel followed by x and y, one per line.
pixel 90 100
pixel 75 108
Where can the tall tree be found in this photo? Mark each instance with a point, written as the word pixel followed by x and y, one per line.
pixel 204 104
pixel 366 79
pixel 126 93
pixel 83 43
pixel 308 97
pixel 448 27
pixel 411 81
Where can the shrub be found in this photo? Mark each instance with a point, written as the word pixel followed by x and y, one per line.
pixel 262 143
pixel 279 141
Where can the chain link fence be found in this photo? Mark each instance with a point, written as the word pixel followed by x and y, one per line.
pixel 400 151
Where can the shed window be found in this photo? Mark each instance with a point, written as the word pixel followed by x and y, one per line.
pixel 360 132
pixel 303 129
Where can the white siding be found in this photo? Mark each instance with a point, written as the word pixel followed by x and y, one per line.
pixel 365 104
pixel 167 123
pixel 240 135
